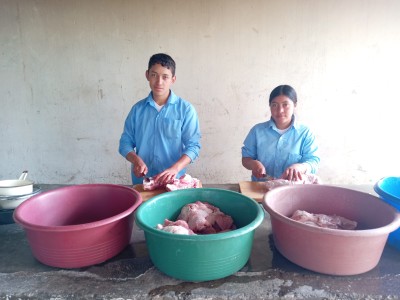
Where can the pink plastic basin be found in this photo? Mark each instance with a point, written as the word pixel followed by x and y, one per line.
pixel 80 225
pixel 330 251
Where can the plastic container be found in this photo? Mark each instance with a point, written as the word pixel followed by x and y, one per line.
pixel 16 187
pixel 388 188
pixel 199 257
pixel 80 225
pixel 11 202
pixel 324 250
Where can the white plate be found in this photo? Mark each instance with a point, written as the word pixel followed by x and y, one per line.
pixel 11 202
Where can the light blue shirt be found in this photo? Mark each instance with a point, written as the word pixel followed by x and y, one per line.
pixel 277 152
pixel 161 138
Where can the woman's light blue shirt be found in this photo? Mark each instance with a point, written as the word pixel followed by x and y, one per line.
pixel 277 152
pixel 161 138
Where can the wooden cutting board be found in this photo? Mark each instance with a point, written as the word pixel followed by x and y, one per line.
pixel 252 189
pixel 146 195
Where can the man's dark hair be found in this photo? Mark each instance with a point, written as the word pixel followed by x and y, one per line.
pixel 163 59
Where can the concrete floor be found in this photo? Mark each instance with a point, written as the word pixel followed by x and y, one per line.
pixel 131 275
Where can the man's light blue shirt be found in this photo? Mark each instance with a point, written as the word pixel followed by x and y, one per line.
pixel 277 152
pixel 161 138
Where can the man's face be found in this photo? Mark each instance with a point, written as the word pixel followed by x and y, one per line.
pixel 160 80
pixel 282 109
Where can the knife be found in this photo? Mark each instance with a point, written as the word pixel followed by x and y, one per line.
pixel 266 177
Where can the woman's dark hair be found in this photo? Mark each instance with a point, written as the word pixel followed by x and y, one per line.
pixel 163 59
pixel 285 90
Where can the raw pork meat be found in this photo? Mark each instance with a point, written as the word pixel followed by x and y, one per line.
pixel 203 217
pixel 150 185
pixel 199 218
pixel 178 227
pixel 325 221
pixel 184 182
pixel 307 179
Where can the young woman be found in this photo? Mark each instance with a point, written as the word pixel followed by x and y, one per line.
pixel 280 147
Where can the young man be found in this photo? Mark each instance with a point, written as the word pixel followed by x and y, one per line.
pixel 161 134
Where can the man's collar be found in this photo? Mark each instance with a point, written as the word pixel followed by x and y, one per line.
pixel 171 99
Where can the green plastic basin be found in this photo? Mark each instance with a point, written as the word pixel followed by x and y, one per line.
pixel 199 257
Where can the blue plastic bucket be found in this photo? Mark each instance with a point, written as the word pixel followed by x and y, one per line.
pixel 388 188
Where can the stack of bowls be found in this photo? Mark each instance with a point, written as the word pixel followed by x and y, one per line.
pixel 388 188
pixel 12 193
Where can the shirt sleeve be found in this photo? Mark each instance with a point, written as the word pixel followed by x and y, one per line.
pixel 191 134
pixel 127 142
pixel 311 152
pixel 249 148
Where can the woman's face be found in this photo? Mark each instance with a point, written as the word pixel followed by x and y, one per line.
pixel 282 109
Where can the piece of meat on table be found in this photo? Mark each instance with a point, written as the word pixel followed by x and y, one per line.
pixel 307 179
pixel 184 182
pixel 149 184
pixel 325 221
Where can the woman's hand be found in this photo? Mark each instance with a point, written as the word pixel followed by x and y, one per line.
pixel 258 169
pixel 294 172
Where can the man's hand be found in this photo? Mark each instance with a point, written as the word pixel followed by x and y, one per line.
pixel 167 176
pixel 139 168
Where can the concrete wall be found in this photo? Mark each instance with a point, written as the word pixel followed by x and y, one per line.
pixel 71 70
